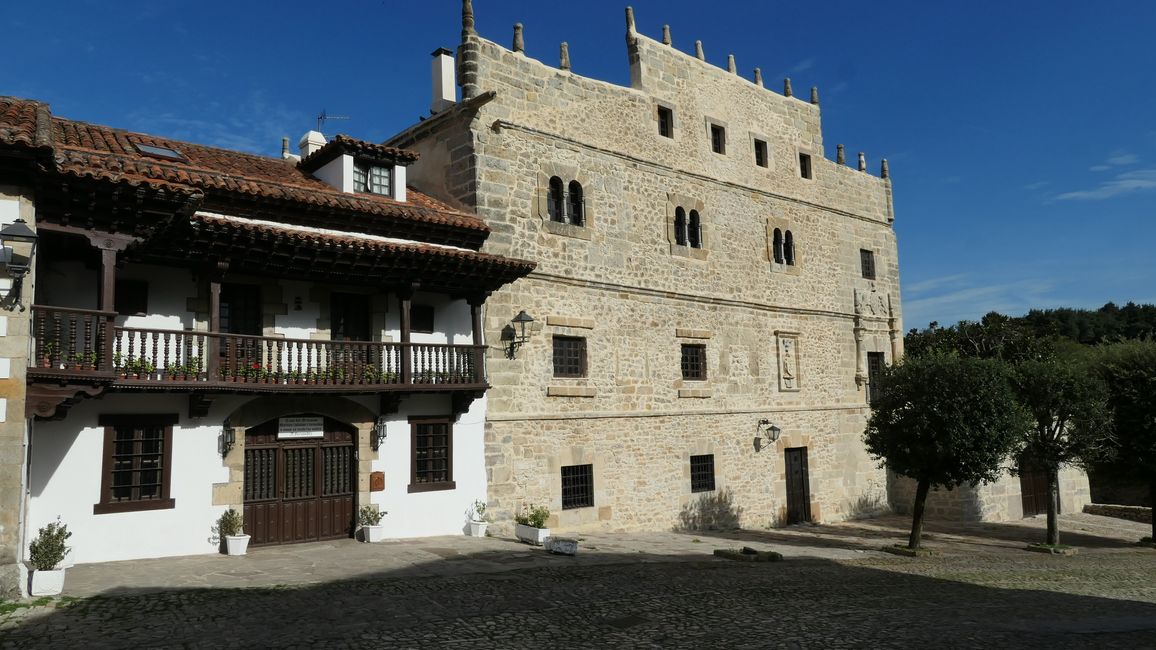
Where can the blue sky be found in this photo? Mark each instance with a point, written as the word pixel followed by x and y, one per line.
pixel 1021 135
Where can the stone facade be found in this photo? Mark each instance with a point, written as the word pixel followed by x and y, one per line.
pixel 623 283
pixel 998 501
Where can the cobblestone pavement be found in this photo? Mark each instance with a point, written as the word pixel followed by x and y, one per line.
pixel 973 594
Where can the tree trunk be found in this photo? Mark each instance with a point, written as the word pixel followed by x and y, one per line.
pixel 917 514
pixel 1053 505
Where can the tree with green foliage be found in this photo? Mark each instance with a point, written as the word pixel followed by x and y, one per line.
pixel 1071 422
pixel 994 337
pixel 943 420
pixel 1129 370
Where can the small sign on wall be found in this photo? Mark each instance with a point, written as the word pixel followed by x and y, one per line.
pixel 301 427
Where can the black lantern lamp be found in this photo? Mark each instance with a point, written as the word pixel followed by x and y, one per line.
pixel 766 434
pixel 228 438
pixel 378 435
pixel 520 337
pixel 21 242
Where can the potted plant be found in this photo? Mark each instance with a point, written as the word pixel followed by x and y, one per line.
pixel 232 527
pixel 479 520
pixel 45 554
pixel 531 525
pixel 370 519
pixel 46 352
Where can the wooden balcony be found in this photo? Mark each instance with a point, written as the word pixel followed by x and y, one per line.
pixel 78 346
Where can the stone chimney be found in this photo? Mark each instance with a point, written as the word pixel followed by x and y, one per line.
pixel 310 142
pixel 444 92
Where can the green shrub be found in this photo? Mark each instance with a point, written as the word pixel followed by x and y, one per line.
pixel 48 549
pixel 533 516
pixel 231 524
pixel 370 516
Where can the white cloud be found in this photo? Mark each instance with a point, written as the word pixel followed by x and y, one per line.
pixel 1121 158
pixel 1099 168
pixel 1138 180
pixel 805 64
pixel 1038 185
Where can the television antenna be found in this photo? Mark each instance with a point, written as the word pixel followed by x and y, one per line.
pixel 323 116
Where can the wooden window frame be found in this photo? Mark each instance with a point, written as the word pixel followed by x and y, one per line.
pixel 805 169
pixel 110 424
pixel 762 157
pixel 415 422
pixel 667 113
pixel 718 139
pixel 688 363
pixel 700 480
pixel 416 321
pixel 867 263
pixel 581 357
pixel 131 297
pixel 876 363
pixel 579 473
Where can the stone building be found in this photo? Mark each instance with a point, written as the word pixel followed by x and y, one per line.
pixel 711 291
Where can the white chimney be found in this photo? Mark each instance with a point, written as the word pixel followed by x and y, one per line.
pixel 444 92
pixel 310 142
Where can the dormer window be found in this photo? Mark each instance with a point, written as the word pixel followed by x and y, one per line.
pixel 373 179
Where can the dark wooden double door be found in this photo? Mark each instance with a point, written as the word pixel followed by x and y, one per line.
pixel 1034 491
pixel 300 490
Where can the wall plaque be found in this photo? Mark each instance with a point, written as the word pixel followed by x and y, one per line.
pixel 301 427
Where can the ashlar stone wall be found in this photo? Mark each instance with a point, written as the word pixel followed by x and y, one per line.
pixel 622 282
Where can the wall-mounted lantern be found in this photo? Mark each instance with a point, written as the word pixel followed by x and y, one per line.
pixel 378 435
pixel 766 434
pixel 228 438
pixel 21 242
pixel 518 335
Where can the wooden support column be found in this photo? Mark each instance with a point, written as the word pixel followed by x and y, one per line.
pixel 405 302
pixel 213 363
pixel 478 356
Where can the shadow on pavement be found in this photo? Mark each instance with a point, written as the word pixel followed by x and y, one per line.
pixel 639 601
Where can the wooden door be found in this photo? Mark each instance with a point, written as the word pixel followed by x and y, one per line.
pixel 299 490
pixel 798 486
pixel 1034 491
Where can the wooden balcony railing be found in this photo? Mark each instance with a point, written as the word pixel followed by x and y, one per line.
pixel 84 342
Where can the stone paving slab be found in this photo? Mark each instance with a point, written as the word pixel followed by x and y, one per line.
pixel 660 590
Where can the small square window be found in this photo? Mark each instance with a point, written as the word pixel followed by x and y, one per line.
pixel 665 122
pixel 805 165
pixel 867 263
pixel 569 356
pixel 577 486
pixel 131 297
pixel 761 153
pixel 137 464
pixel 718 139
pixel 694 361
pixel 421 319
pixel 373 179
pixel 702 473
pixel 431 443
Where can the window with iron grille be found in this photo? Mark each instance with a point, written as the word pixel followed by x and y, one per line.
pixel 665 122
pixel 577 486
pixel 875 365
pixel 569 356
pixel 718 139
pixel 137 463
pixel 702 473
pixel 867 263
pixel 805 165
pixel 432 441
pixel 693 361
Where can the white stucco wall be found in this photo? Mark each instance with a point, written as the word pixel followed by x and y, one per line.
pixel 451 320
pixel 442 512
pixel 66 471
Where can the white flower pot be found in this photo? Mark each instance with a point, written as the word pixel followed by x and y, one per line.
pixel 46 583
pixel 373 534
pixel 478 528
pixel 531 535
pixel 236 544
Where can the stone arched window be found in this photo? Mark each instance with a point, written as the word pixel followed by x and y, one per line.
pixel 694 230
pixel 555 202
pixel 777 244
pixel 576 204
pixel 680 226
pixel 789 248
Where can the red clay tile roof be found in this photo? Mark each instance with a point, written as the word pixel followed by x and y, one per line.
pixel 25 123
pixel 103 153
pixel 359 149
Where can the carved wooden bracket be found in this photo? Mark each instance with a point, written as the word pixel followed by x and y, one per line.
pixel 49 402
pixel 460 401
pixel 199 404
